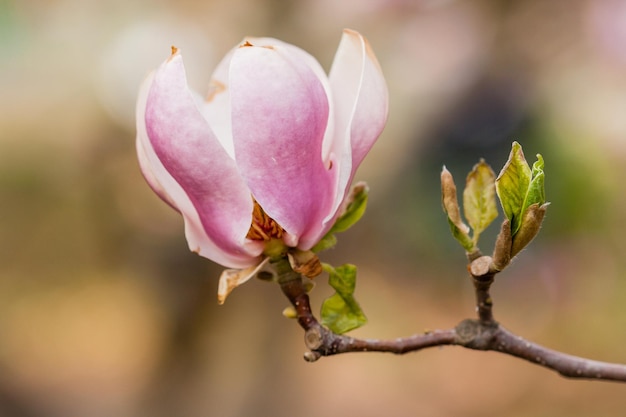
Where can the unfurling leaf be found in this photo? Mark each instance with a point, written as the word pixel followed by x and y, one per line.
pixel 519 187
pixel 502 249
pixel 512 186
pixel 460 230
pixel 328 241
pixel 355 208
pixel 479 198
pixel 461 237
pixel 341 312
pixel 536 190
pixel 522 195
pixel 449 200
pixel 531 223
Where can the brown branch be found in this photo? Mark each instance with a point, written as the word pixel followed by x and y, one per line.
pixel 483 334
pixel 567 365
pixel 324 342
pixel 482 272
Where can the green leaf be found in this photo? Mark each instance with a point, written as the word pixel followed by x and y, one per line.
pixel 328 241
pixel 461 237
pixel 479 198
pixel 518 182
pixel 536 190
pixel 341 312
pixel 357 202
pixel 531 223
pixel 533 210
pixel 460 231
pixel 512 186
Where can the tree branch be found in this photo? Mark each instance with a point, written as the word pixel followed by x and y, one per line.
pixel 482 334
pixel 567 365
pixel 483 274
pixel 324 342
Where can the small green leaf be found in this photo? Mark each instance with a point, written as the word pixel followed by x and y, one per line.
pixel 355 208
pixel 357 202
pixel 519 183
pixel 536 190
pixel 538 166
pixel 531 223
pixel 460 231
pixel 479 198
pixel 341 312
pixel 512 186
pixel 328 241
pixel 449 200
pixel 461 237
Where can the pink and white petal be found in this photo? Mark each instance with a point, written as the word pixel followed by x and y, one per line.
pixel 361 105
pixel 198 175
pixel 360 92
pixel 301 55
pixel 216 108
pixel 295 52
pixel 280 113
pixel 142 141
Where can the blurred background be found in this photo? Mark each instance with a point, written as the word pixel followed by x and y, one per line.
pixel 104 311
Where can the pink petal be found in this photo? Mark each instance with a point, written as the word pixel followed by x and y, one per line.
pixel 280 114
pixel 142 141
pixel 301 55
pixel 361 105
pixel 216 109
pixel 196 174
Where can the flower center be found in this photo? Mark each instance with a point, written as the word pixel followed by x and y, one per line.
pixel 263 227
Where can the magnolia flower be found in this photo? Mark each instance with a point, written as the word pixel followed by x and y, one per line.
pixel 269 154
